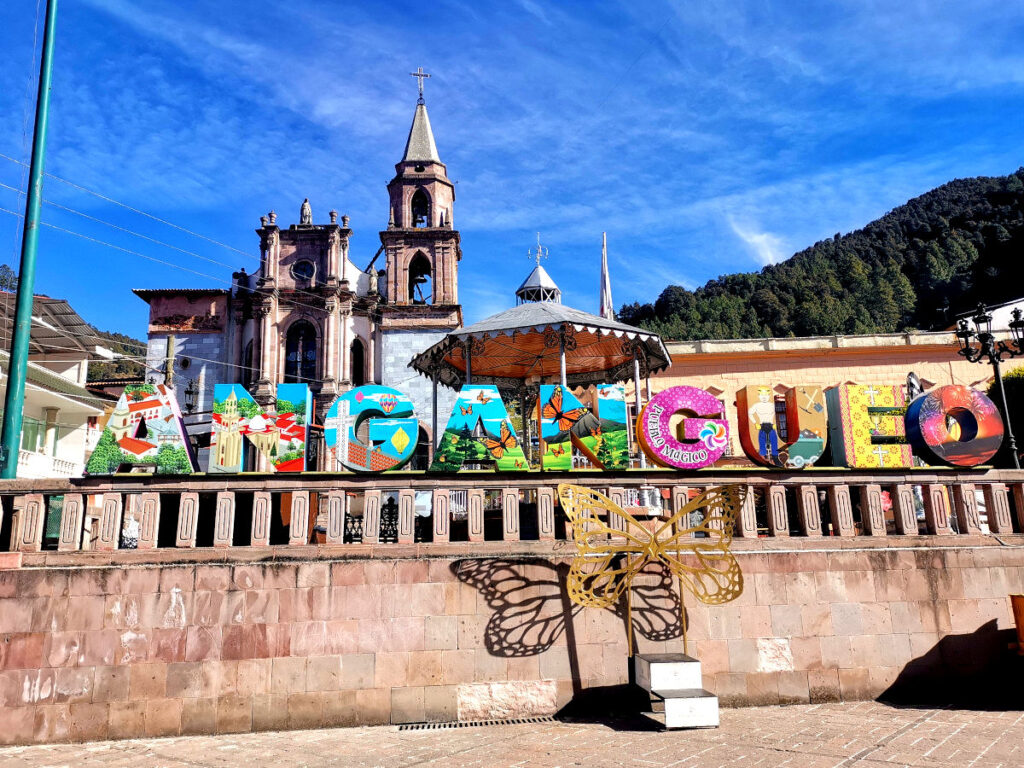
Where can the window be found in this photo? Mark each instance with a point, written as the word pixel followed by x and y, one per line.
pixel 300 354
pixel 420 285
pixel 357 362
pixel 32 434
pixel 303 271
pixel 420 208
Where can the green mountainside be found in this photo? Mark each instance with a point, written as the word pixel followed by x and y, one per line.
pixel 915 268
pixel 121 368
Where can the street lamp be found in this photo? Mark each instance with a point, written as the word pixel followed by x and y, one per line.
pixel 191 393
pixel 995 351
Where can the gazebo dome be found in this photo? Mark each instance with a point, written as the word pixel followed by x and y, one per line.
pixel 538 287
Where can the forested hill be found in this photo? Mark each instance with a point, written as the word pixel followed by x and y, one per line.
pixel 916 267
pixel 120 368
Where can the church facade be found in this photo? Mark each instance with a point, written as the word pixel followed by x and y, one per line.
pixel 311 315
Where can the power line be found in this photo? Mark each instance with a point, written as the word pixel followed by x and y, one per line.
pixel 134 210
pixel 231 283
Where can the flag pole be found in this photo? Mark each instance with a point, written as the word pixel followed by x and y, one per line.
pixel 14 398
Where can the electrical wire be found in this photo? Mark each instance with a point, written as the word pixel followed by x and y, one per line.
pixel 231 283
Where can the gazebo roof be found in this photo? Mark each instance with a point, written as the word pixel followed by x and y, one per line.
pixel 523 342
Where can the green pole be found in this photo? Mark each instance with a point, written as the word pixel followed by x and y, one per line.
pixel 14 399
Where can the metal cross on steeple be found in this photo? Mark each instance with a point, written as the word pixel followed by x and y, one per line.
pixel 540 253
pixel 419 73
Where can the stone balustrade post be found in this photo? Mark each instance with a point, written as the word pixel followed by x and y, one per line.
pixel 188 520
pixel 746 523
pixel 840 509
pixel 72 519
pixel 965 505
pixel 406 516
pixel 904 511
pixel 259 535
pixel 31 521
pixel 475 513
pixel 997 505
pixel 298 528
pixel 618 497
pixel 224 519
pixel 872 517
pixel 680 498
pixel 1018 503
pixel 808 509
pixel 110 523
pixel 778 514
pixel 936 510
pixel 546 514
pixel 510 514
pixel 336 503
pixel 148 511
pixel 441 515
pixel 371 517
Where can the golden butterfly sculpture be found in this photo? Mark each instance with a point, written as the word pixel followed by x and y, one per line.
pixel 610 552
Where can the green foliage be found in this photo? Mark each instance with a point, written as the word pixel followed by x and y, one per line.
pixel 916 267
pixel 173 460
pixel 120 344
pixel 106 457
pixel 8 278
pixel 1013 383
pixel 246 408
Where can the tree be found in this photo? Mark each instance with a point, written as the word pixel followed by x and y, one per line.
pixel 8 278
pixel 1013 383
pixel 106 457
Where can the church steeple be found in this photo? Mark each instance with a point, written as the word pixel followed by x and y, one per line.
pixel 420 147
pixel 421 244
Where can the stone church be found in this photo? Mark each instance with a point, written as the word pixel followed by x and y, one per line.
pixel 310 314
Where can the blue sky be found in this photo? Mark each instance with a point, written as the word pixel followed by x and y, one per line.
pixel 703 137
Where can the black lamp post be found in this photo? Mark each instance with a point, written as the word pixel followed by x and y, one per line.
pixel 191 393
pixel 995 351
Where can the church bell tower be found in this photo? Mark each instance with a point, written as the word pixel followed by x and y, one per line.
pixel 421 245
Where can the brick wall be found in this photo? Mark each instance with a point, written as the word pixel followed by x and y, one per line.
pixel 212 642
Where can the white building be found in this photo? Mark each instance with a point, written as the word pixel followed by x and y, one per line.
pixel 61 418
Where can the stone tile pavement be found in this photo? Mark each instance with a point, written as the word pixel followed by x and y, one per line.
pixel 864 734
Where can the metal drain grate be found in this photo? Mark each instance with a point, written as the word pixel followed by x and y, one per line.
pixel 474 723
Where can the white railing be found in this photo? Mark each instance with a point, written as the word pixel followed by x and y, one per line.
pixel 39 466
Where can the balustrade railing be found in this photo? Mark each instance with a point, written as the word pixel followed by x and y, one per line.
pixel 148 512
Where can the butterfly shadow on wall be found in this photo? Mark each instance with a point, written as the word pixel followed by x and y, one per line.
pixel 531 612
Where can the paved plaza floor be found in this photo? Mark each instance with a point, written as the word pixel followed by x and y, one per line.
pixel 865 734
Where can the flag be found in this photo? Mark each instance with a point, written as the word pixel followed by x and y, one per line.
pixel 606 310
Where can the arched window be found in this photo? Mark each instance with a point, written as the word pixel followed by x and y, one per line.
pixel 300 354
pixel 420 284
pixel 420 209
pixel 357 362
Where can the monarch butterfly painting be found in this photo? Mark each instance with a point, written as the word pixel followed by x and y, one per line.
pixel 466 409
pixel 553 411
pixel 558 450
pixel 483 400
pixel 505 442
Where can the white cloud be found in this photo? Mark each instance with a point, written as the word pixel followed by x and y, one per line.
pixel 766 247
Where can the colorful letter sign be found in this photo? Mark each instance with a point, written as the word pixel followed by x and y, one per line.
pixel 954 425
pixel 479 430
pixel 806 425
pixel 280 437
pixel 145 430
pixel 704 439
pixel 391 428
pixel 866 426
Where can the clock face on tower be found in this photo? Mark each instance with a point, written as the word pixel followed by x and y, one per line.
pixel 303 270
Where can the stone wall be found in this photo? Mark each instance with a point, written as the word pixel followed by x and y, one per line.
pixel 114 645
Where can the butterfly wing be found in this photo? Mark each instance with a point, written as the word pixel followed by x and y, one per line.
pixel 606 558
pixel 567 419
pixel 705 565
pixel 496 449
pixel 553 407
